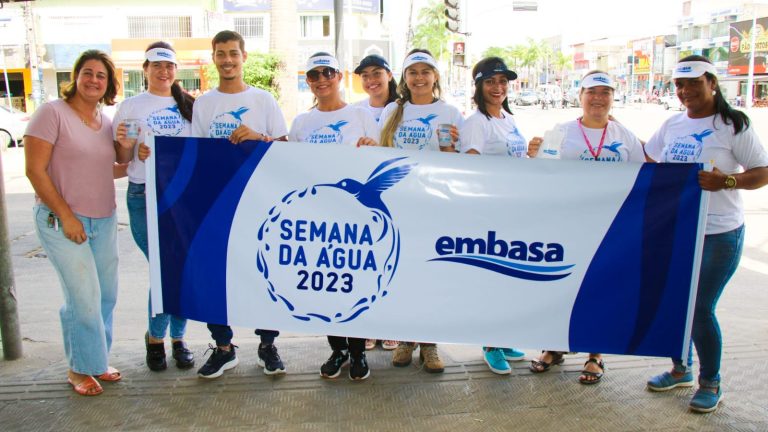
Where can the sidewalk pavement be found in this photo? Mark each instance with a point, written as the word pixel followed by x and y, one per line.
pixel 34 394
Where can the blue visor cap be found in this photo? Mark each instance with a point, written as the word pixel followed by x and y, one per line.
pixel 372 60
pixel 493 69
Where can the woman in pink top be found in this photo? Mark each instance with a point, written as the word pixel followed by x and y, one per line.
pixel 69 157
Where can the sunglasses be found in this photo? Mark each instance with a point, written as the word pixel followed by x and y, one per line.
pixel 314 74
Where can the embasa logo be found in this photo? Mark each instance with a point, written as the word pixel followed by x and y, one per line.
pixel 163 54
pixel 684 69
pixel 602 79
pixel 512 258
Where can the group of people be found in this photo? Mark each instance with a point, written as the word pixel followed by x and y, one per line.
pixel 71 149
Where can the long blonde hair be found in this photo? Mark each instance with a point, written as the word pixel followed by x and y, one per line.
pixel 390 126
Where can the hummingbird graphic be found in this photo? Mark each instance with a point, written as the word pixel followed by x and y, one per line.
pixel 238 113
pixel 369 193
pixel 427 119
pixel 700 137
pixel 336 127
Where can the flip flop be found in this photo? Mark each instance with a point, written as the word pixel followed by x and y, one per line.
pixel 595 376
pixel 540 366
pixel 88 387
pixel 111 375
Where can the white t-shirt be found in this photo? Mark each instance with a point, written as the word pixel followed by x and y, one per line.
pixel 218 114
pixel 343 126
pixel 158 116
pixel 683 139
pixel 375 111
pixel 418 128
pixel 494 136
pixel 620 145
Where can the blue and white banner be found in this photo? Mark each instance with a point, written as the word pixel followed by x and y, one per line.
pixel 426 246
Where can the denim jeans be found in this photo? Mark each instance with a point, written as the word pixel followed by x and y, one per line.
pixel 88 276
pixel 341 343
pixel 137 211
pixel 719 261
pixel 222 334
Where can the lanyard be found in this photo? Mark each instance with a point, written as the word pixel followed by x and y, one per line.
pixel 595 154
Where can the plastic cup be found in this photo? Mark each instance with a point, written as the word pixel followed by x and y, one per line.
pixel 444 135
pixel 131 128
pixel 552 142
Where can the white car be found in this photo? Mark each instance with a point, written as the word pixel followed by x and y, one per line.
pixel 672 102
pixel 13 123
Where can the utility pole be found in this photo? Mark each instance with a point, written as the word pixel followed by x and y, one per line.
pixel 751 76
pixel 37 87
pixel 9 316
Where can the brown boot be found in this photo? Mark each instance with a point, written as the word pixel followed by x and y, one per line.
pixel 430 359
pixel 403 354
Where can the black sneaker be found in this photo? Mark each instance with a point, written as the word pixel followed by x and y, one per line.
pixel 358 367
pixel 332 367
pixel 270 360
pixel 183 356
pixel 218 362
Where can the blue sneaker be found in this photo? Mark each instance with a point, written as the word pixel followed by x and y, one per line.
pixel 704 400
pixel 494 358
pixel 512 354
pixel 666 381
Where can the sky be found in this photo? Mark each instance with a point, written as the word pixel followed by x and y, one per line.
pixel 493 23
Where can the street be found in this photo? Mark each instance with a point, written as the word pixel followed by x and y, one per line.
pixel 467 397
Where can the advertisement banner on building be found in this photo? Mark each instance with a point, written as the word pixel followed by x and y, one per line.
pixel 426 246
pixel 741 47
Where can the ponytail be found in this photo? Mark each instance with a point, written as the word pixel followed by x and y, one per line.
pixel 183 100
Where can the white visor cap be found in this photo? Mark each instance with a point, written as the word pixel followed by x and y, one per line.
pixel 693 69
pixel 597 79
pixel 323 61
pixel 419 57
pixel 161 54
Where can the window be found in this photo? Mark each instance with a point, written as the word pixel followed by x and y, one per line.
pixel 313 27
pixel 250 27
pixel 145 27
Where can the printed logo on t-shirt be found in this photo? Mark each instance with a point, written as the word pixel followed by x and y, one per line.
pixel 223 125
pixel 686 148
pixel 328 134
pixel 415 134
pixel 166 121
pixel 516 145
pixel 609 153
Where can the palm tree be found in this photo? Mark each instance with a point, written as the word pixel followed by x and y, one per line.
pixel 283 40
pixel 431 33
pixel 562 63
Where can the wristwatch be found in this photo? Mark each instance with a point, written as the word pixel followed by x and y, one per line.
pixel 730 182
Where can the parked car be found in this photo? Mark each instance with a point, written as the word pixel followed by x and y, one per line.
pixel 672 102
pixel 12 126
pixel 571 97
pixel 527 97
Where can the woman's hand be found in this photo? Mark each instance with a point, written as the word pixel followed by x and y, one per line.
pixel 533 146
pixel 366 141
pixel 712 180
pixel 73 229
pixel 144 152
pixel 454 135
pixel 122 136
pixel 244 133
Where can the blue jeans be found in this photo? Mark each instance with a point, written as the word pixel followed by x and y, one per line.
pixel 137 212
pixel 88 276
pixel 719 261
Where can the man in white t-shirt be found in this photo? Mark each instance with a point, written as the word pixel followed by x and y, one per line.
pixel 238 112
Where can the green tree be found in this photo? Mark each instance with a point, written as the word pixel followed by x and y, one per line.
pixel 430 32
pixel 260 71
pixel 562 63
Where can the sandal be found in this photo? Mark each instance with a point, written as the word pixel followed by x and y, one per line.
pixel 87 387
pixel 370 344
pixel 111 375
pixel 389 344
pixel 589 377
pixel 539 366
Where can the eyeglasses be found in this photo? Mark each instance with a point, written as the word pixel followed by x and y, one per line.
pixel 314 74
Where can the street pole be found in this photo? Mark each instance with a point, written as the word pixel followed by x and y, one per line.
pixel 9 316
pixel 751 76
pixel 37 87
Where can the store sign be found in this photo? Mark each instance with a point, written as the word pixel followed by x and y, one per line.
pixel 740 47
